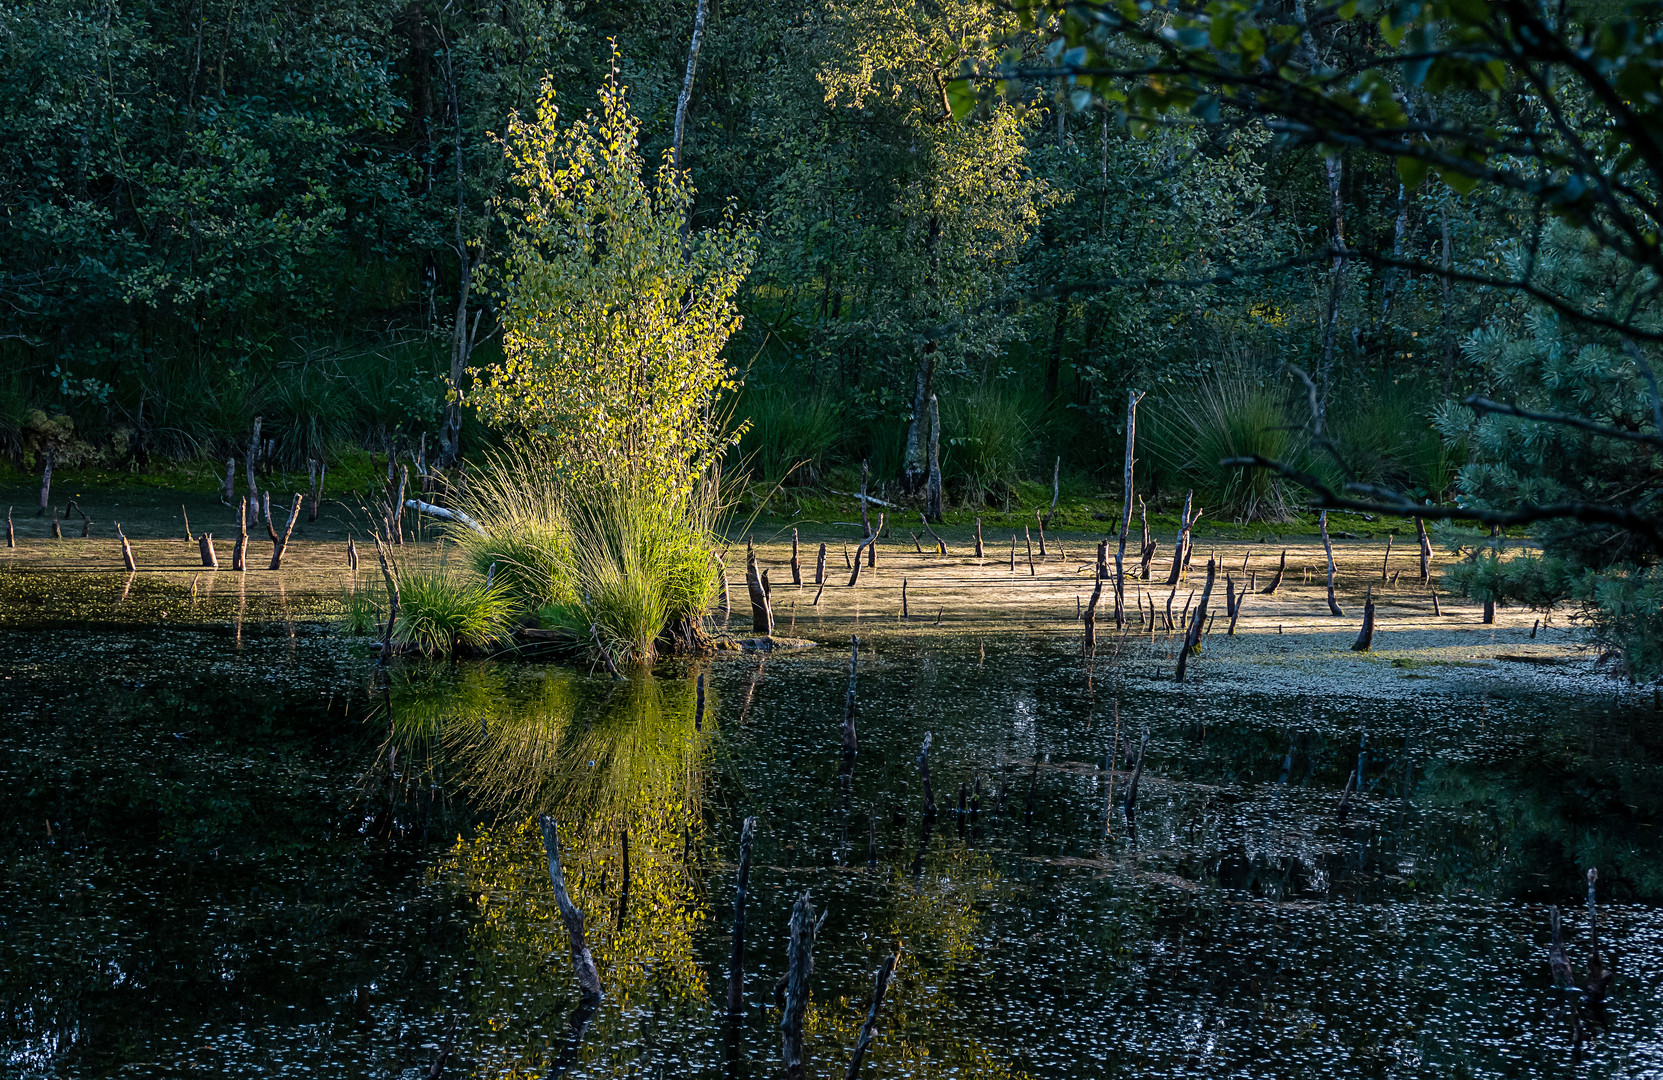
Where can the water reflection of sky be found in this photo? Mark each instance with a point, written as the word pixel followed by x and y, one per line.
pixel 265 864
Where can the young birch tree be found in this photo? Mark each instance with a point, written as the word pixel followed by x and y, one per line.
pixel 614 311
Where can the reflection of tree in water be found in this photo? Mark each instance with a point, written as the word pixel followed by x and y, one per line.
pixel 937 915
pixel 622 761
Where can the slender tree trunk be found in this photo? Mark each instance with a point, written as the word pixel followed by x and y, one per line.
pixel 1132 399
pixel 1328 549
pixel 933 494
pixel 1444 262
pixel 686 98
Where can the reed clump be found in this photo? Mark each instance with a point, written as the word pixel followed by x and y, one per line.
pixel 611 564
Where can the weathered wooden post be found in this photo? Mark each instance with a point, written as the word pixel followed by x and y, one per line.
pixel 588 979
pixel 741 893
pixel 762 613
pixel 252 462
pixel 46 479
pixel 283 543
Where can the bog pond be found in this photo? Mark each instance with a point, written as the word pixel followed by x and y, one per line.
pixel 238 847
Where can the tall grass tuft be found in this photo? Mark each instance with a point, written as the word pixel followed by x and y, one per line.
pixel 988 439
pixel 636 565
pixel 599 560
pixel 517 501
pixel 789 434
pixel 444 609
pixel 1228 414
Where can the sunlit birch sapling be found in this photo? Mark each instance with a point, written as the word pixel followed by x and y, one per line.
pixel 614 311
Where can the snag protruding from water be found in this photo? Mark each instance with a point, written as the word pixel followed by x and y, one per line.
pixel 288 531
pixel 849 704
pixel 1192 637
pixel 583 962
pixel 315 472
pixel 11 530
pixel 1328 549
pixel 1600 968
pixel 796 565
pixel 210 558
pixel 978 538
pixel 1558 962
pixel 239 553
pixel 869 1030
pixel 1365 636
pixel 1425 551
pixel 392 600
pixel 741 893
pixel 799 956
pixel 762 611
pixel 351 555
pixel 1181 547
pixel 1276 582
pixel 126 550
pixel 820 567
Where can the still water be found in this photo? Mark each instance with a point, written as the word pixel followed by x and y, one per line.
pixel 243 851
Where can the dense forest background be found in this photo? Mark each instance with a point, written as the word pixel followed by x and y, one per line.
pixel 230 208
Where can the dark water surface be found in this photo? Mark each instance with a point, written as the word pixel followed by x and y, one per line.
pixel 243 853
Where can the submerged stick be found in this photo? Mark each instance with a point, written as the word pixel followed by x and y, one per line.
pixel 741 893
pixel 869 1030
pixel 583 962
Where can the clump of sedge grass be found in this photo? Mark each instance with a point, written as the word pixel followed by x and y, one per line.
pixel 443 609
pixel 360 612
pixel 636 565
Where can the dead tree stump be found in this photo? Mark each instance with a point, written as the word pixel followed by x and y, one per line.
pixel 1365 636
pixel 210 558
